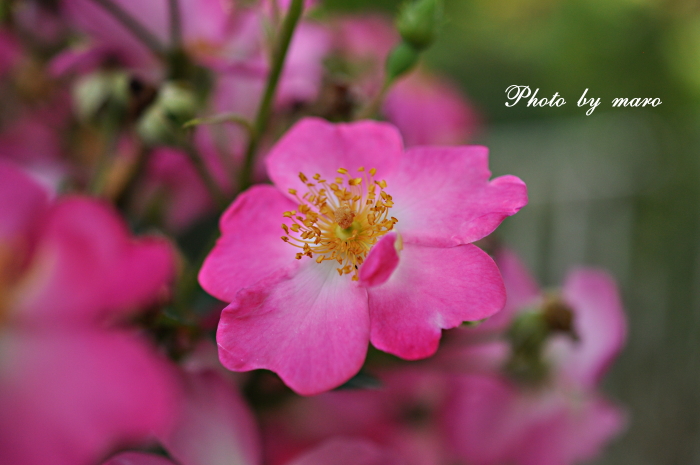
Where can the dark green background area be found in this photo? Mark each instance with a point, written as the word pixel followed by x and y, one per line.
pixel 619 189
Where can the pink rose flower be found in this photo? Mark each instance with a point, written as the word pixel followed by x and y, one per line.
pixel 564 420
pixel 375 247
pixel 72 384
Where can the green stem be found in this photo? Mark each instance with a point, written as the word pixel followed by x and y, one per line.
pixel 134 26
pixel 175 24
pixel 222 118
pixel 278 58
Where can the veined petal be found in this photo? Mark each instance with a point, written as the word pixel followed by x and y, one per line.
pixel 250 247
pixel 443 196
pixel 316 146
pixel 311 328
pixel 430 290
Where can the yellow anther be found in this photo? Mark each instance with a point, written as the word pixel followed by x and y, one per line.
pixel 337 223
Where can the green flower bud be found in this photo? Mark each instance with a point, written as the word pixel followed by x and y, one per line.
pixel 155 127
pixel 99 91
pixel 178 100
pixel 418 22
pixel 401 60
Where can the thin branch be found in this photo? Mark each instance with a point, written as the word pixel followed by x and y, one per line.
pixel 134 26
pixel 294 12
pixel 233 118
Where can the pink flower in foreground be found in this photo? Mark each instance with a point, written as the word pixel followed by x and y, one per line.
pixel 375 247
pixel 492 419
pixel 72 385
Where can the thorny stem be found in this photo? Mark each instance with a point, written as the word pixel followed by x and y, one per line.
pixel 134 26
pixel 278 58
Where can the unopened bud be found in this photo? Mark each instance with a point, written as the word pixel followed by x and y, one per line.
pixel 156 128
pixel 400 61
pixel 100 90
pixel 178 100
pixel 418 22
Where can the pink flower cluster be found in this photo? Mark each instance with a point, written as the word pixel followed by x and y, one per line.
pixel 358 324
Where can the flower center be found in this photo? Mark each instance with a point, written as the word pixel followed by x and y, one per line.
pixel 340 221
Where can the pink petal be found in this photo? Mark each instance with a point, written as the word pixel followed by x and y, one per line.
pixel 24 201
pixel 216 427
pixel 432 289
pixel 10 52
pixel 69 397
pixel 348 452
pixel 303 70
pixel 599 322
pixel 311 328
pixel 381 262
pixel 250 247
pixel 430 111
pixel 443 196
pixel 572 432
pixel 521 291
pixel 316 146
pixel 86 266
pixel 138 458
pixel 482 420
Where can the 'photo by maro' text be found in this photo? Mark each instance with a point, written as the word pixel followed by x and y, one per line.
pixel 516 94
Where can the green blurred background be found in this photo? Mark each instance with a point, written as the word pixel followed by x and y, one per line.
pixel 618 189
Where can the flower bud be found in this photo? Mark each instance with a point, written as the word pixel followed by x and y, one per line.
pixel 178 100
pixel 418 22
pixel 100 90
pixel 400 61
pixel 156 128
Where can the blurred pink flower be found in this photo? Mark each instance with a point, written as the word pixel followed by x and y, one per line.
pixel 72 384
pixel 10 52
pixel 215 427
pixel 391 269
pixel 430 110
pixel 492 419
pixel 427 109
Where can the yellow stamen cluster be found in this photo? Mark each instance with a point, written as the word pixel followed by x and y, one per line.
pixel 340 221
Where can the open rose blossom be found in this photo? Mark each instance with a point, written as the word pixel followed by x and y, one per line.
pixel 74 384
pixel 357 241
